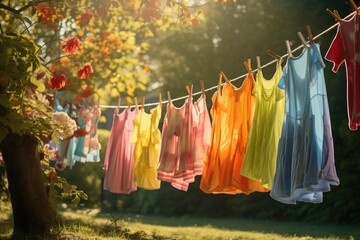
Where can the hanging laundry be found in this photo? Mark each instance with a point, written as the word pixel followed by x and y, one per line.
pixel 345 48
pixel 305 163
pixel 147 139
pixel 119 157
pixel 261 149
pixel 176 163
pixel 202 134
pixel 232 114
pixel 74 146
pixel 84 145
pixel 91 152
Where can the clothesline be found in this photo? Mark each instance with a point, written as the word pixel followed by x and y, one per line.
pixel 237 78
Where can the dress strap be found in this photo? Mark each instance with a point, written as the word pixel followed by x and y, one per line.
pixel 248 66
pixel 190 91
pixel 221 75
pixel 169 97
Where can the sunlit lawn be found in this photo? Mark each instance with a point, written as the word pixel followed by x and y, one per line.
pixel 90 224
pixel 202 228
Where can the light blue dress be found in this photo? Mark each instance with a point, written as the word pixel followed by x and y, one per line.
pixel 69 149
pixel 305 163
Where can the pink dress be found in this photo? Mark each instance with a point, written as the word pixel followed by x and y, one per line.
pixel 346 48
pixel 119 158
pixel 176 163
pixel 203 134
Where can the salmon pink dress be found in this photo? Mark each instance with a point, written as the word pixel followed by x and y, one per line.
pixel 119 158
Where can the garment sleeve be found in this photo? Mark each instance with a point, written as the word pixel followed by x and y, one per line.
pixel 335 53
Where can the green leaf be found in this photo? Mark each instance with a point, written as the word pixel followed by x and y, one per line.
pixel 65 195
pixel 39 84
pixel 66 188
pixel 82 195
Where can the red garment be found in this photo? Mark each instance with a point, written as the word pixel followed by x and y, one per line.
pixel 346 48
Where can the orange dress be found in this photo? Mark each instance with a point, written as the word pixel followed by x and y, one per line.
pixel 232 114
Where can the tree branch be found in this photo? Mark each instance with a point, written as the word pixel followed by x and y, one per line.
pixel 10 9
pixel 30 4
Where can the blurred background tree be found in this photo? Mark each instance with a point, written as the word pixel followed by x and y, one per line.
pixel 133 53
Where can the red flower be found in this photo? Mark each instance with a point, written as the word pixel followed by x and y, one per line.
pixel 70 45
pixel 48 15
pixel 84 72
pixel 57 81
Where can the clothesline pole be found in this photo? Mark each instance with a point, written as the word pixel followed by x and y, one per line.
pixel 239 77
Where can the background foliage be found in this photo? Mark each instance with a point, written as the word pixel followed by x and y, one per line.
pixel 229 34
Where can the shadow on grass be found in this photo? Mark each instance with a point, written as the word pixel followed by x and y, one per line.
pixel 284 228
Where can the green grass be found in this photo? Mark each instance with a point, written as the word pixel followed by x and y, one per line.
pixel 90 224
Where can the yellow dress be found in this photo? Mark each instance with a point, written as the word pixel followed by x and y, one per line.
pixel 261 150
pixel 147 139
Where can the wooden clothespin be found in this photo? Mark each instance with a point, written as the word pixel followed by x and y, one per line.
pixel 136 102
pixel 334 14
pixel 337 14
pixel 222 74
pixel 187 89
pixel 273 55
pixel 202 87
pixel 160 99
pixel 169 96
pixel 248 65
pixel 310 37
pixel 143 102
pixel 354 6
pixel 258 62
pixel 302 39
pixel 287 43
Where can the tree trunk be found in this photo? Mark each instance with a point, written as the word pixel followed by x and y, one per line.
pixel 33 214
